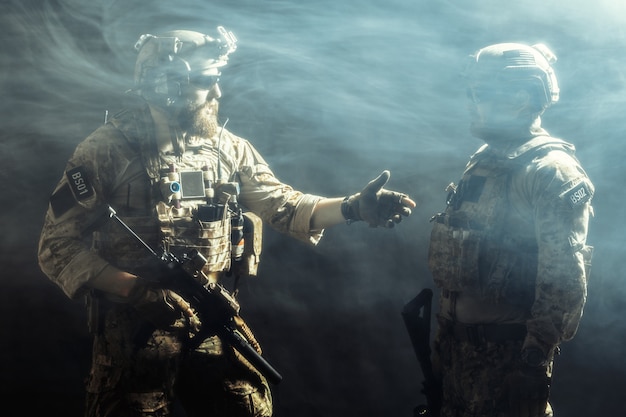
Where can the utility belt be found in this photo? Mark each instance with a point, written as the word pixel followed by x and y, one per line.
pixel 478 334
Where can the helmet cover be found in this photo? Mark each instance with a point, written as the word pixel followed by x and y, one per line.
pixel 167 61
pixel 507 65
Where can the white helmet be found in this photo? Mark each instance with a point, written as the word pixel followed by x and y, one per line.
pixel 517 66
pixel 167 62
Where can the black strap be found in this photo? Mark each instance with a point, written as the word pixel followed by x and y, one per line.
pixel 488 333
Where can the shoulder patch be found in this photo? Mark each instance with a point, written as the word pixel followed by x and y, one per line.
pixel 578 194
pixel 61 201
pixel 79 183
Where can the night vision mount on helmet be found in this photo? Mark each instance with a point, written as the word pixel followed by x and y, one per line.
pixel 166 63
pixel 513 64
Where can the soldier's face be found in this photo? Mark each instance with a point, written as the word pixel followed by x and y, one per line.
pixel 491 110
pixel 199 116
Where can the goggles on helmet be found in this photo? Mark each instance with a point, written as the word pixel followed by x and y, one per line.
pixel 204 82
pixel 167 63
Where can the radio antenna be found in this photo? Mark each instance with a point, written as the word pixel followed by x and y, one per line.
pixel 219 152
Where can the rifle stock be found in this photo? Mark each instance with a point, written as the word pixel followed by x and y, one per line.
pixel 215 306
pixel 416 315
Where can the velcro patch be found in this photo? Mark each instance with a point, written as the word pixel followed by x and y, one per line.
pixel 79 184
pixel 61 201
pixel 577 195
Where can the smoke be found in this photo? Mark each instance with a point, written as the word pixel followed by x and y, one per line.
pixel 331 93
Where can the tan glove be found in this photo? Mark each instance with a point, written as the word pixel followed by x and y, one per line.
pixel 377 206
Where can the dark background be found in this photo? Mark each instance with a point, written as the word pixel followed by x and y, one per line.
pixel 331 93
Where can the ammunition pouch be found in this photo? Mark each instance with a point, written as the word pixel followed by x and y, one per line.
pixel 212 239
pixel 253 243
pixel 497 266
pixel 182 232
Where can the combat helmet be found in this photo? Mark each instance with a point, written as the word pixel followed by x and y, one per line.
pixel 166 63
pixel 516 66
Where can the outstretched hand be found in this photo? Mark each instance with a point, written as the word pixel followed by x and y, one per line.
pixel 376 205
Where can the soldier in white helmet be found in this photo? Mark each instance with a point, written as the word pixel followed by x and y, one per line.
pixel 509 252
pixel 180 181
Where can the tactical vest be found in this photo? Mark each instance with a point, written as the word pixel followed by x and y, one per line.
pixel 478 245
pixel 187 206
pixel 192 216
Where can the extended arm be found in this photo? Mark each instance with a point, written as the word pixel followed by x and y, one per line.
pixel 374 204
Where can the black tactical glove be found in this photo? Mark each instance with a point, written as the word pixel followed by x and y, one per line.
pixel 528 390
pixel 154 304
pixel 375 205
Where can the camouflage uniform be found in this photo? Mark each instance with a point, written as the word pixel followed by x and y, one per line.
pixel 138 369
pixel 510 256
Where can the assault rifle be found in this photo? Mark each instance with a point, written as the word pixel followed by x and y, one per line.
pixel 416 316
pixel 216 307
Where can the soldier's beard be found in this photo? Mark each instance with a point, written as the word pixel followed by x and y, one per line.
pixel 200 121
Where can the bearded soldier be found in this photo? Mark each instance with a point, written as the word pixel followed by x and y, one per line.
pixel 509 252
pixel 180 180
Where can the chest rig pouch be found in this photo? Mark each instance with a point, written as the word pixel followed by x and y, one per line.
pixel 195 208
pixel 199 213
pixel 476 247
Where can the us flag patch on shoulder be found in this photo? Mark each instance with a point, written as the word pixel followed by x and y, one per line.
pixel 578 194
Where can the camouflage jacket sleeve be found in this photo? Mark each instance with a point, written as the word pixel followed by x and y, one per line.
pixel 559 194
pixel 64 254
pixel 280 206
